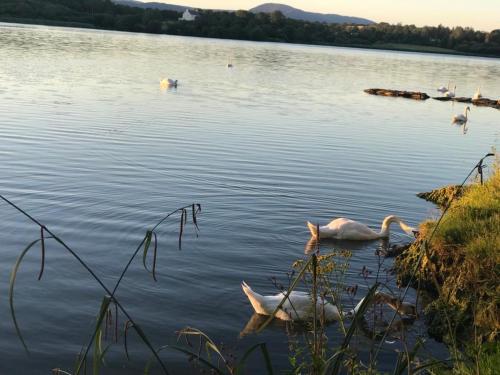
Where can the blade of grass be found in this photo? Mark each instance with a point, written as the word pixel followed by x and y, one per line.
pixel 12 283
pixel 125 343
pixel 98 352
pixel 210 344
pixel 181 229
pixel 358 316
pixel 42 265
pixel 147 243
pixel 155 249
pixel 194 355
pixel 265 353
pixel 405 361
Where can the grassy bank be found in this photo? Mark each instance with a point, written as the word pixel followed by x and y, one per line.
pixel 460 268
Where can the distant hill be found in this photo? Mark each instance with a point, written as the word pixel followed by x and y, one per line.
pixel 152 5
pixel 298 14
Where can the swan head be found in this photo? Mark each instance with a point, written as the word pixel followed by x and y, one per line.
pixel 394 219
pixel 396 304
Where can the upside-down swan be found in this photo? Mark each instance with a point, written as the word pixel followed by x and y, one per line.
pixel 298 305
pixel 346 229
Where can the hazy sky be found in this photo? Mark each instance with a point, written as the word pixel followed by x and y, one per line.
pixel 480 14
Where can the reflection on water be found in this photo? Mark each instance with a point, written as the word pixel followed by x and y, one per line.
pixel 92 148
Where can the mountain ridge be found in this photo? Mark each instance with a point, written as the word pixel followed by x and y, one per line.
pixel 153 5
pixel 298 14
pixel 286 10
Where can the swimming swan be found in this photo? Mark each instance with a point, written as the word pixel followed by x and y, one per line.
pixel 477 95
pixel 167 82
pixel 444 89
pixel 346 229
pixel 298 305
pixel 449 94
pixel 461 119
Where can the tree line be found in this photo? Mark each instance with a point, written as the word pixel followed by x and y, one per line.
pixel 249 26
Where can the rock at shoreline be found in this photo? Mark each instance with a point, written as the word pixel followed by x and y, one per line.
pixel 442 196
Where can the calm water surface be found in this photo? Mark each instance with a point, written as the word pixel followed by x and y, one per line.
pixel 92 147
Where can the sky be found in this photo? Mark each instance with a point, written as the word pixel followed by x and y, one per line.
pixel 480 14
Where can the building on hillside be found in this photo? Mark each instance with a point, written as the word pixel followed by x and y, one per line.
pixel 189 15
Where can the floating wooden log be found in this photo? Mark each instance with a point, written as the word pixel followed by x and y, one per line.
pixel 483 102
pixel 397 93
pixel 449 99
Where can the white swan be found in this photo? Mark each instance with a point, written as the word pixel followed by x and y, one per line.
pixel 477 95
pixel 444 89
pixel 449 94
pixel 346 229
pixel 461 119
pixel 298 305
pixel 167 82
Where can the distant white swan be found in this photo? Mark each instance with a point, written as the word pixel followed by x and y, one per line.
pixel 461 119
pixel 298 305
pixel 449 94
pixel 477 95
pixel 444 89
pixel 167 82
pixel 346 229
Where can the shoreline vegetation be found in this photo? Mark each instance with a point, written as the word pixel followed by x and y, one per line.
pixel 244 25
pixel 459 272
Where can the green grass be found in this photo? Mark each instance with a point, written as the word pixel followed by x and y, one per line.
pixel 463 259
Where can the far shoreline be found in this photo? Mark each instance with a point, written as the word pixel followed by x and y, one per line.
pixel 408 48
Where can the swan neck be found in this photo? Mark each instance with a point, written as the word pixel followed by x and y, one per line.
pixel 384 230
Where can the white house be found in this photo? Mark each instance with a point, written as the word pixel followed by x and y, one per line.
pixel 189 15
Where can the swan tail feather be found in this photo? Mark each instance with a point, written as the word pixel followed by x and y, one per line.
pixel 256 300
pixel 313 229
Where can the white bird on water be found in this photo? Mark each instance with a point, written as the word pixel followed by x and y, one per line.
pixel 461 119
pixel 346 229
pixel 167 82
pixel 298 305
pixel 444 89
pixel 477 95
pixel 449 94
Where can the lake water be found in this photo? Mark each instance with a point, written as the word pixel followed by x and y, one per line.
pixel 93 148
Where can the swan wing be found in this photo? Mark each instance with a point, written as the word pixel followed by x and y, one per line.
pixel 352 230
pixel 298 306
